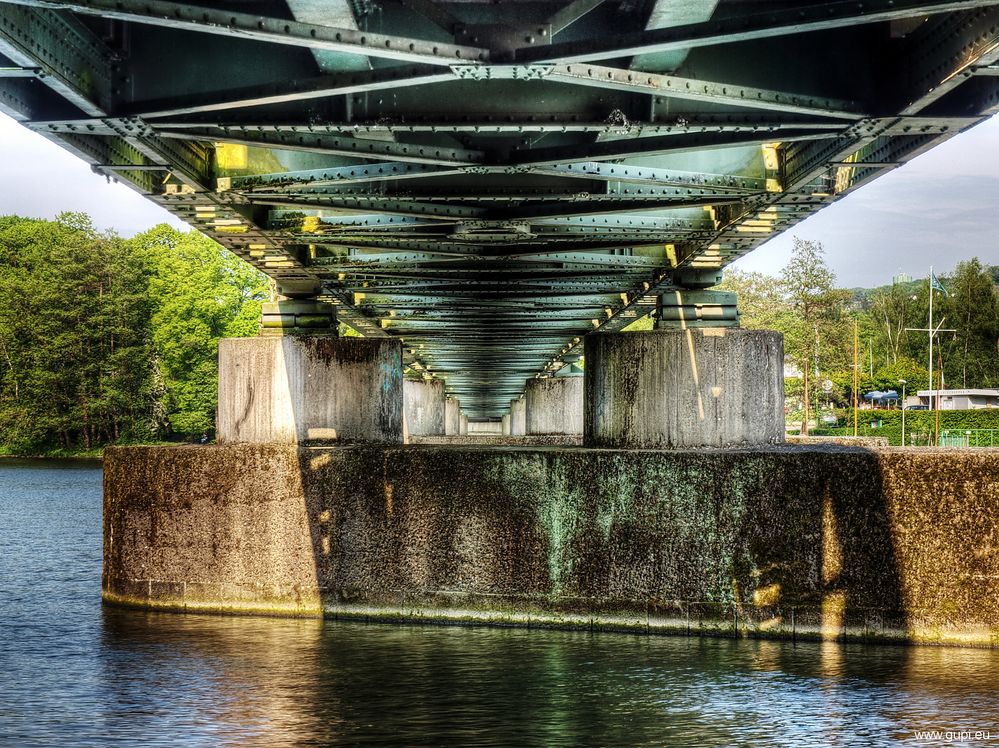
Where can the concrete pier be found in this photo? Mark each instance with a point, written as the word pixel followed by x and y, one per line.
pixel 819 542
pixel 318 390
pixel 505 424
pixel 424 407
pixel 554 406
pixel 463 425
pixel 485 428
pixel 452 417
pixel 676 388
pixel 518 417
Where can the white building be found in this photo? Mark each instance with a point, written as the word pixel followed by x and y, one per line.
pixel 961 399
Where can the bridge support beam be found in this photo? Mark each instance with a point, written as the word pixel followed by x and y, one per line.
pixel 310 390
pixel 463 425
pixel 424 405
pixel 452 417
pixel 554 406
pixel 518 417
pixel 697 308
pixel 684 388
pixel 506 424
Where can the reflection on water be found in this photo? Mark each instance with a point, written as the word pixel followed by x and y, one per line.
pixel 74 673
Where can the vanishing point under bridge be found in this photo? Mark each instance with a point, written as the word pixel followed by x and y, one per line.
pixel 492 182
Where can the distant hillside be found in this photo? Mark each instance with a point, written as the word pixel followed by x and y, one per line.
pixel 862 296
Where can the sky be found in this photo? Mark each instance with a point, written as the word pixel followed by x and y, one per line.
pixel 940 208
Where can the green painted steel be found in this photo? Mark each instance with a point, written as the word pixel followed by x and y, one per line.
pixel 491 182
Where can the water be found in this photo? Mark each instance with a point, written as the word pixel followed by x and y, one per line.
pixel 74 673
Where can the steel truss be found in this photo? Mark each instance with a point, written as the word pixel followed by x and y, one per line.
pixel 494 192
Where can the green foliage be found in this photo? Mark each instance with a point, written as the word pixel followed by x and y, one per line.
pixel 200 293
pixel 818 320
pixel 888 377
pixel 108 340
pixel 917 422
pixel 642 324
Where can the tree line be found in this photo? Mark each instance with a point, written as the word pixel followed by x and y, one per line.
pixel 823 324
pixel 109 340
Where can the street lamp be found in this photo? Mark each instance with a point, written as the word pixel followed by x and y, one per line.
pixel 902 382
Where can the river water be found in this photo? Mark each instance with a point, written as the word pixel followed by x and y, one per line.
pixel 75 673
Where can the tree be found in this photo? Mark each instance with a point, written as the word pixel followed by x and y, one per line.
pixel 973 311
pixel 200 293
pixel 892 310
pixel 73 335
pixel 816 334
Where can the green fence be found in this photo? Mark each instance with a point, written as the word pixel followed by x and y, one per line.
pixel 969 438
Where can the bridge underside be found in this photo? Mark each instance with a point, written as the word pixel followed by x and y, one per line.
pixel 490 182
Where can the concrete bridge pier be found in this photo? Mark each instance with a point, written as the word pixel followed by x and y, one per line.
pixel 298 383
pixel 463 425
pixel 424 405
pixel 518 417
pixel 310 390
pixel 554 406
pixel 452 417
pixel 683 388
pixel 505 421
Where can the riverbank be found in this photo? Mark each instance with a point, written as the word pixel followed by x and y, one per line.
pixel 78 453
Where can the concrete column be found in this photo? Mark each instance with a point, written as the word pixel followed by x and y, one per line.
pixel 506 425
pixel 664 389
pixel 485 428
pixel 463 426
pixel 554 406
pixel 424 406
pixel 518 417
pixel 452 417
pixel 321 390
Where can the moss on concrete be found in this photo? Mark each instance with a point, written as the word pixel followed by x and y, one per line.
pixel 793 542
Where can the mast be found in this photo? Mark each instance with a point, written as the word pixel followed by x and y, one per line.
pixel 931 337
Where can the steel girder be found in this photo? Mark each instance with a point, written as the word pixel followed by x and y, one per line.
pixel 490 188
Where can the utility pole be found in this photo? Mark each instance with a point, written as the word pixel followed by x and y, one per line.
pixel 934 284
pixel 903 383
pixel 856 372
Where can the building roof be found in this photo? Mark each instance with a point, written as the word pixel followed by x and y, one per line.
pixel 979 393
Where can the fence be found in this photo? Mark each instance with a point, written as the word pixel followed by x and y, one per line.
pixel 969 438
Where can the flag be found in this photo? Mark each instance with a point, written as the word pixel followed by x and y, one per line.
pixel 937 285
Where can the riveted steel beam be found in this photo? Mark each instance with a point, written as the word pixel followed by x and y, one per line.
pixel 266 29
pixel 654 146
pixel 947 53
pixel 532 122
pixel 69 58
pixel 340 175
pixel 373 205
pixel 780 22
pixel 284 92
pixel 338 145
pixel 674 87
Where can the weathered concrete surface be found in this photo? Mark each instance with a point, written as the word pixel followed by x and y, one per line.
pixel 505 425
pixel 463 425
pixel 423 407
pixel 319 390
pixel 485 428
pixel 498 440
pixel 668 389
pixel 518 417
pixel 554 405
pixel 843 441
pixel 811 542
pixel 452 417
